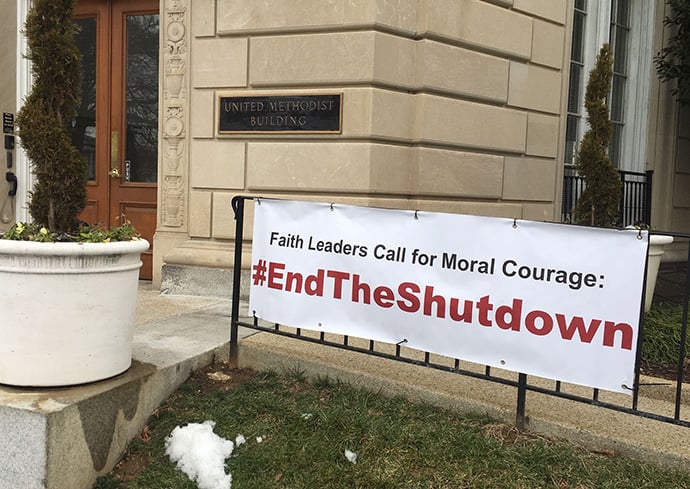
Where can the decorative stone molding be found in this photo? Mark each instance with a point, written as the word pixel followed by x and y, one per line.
pixel 175 92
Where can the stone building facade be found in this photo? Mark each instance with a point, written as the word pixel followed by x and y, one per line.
pixel 447 105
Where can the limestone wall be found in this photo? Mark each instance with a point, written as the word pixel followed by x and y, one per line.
pixel 449 105
pixel 680 216
pixel 669 149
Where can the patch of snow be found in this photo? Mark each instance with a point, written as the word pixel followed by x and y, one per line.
pixel 351 456
pixel 201 454
pixel 219 376
pixel 240 440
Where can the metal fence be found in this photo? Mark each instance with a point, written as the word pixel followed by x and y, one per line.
pixel 635 205
pixel 521 382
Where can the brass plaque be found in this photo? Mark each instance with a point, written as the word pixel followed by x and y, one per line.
pixel 295 114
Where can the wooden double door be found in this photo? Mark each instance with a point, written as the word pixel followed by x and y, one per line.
pixel 116 127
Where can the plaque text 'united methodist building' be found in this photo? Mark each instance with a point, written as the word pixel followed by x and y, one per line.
pixel 281 114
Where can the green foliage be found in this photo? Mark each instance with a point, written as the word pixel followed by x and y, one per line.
pixel 83 234
pixel 662 332
pixel 100 234
pixel 598 203
pixel 28 232
pixel 59 195
pixel 673 61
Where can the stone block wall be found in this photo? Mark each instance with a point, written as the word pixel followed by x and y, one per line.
pixel 448 105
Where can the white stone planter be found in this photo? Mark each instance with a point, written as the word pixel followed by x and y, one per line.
pixel 656 249
pixel 68 310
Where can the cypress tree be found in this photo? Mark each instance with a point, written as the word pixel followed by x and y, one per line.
pixel 59 194
pixel 598 203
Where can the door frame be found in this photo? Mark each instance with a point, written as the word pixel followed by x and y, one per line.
pixel 25 177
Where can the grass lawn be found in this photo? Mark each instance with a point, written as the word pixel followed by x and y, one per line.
pixel 306 428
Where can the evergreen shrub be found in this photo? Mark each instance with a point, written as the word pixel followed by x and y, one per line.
pixel 59 193
pixel 598 203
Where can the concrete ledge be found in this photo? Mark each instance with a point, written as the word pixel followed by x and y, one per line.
pixel 589 426
pixel 202 281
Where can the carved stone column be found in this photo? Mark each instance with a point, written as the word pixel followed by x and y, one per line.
pixel 175 164
pixel 173 172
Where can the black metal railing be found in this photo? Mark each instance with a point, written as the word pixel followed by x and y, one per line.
pixel 635 205
pixel 521 382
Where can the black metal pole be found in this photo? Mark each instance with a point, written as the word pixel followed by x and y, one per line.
pixel 640 334
pixel 621 201
pixel 520 418
pixel 683 337
pixel 238 208
pixel 648 198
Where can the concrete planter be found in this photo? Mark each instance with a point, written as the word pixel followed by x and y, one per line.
pixel 656 250
pixel 68 311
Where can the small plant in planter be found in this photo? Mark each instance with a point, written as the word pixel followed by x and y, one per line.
pixel 84 233
pixel 598 203
pixel 71 289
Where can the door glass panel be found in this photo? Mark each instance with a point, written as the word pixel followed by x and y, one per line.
pixel 141 151
pixel 83 130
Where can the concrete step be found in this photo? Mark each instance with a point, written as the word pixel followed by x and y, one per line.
pixel 65 438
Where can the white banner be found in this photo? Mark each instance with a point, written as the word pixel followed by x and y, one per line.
pixel 557 301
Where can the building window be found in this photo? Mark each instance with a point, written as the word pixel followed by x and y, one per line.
pixel 627 26
pixel 575 90
pixel 618 40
